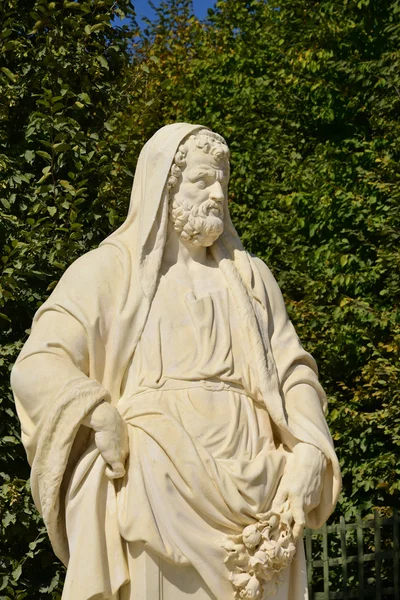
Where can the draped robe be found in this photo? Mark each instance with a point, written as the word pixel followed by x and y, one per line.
pixel 84 337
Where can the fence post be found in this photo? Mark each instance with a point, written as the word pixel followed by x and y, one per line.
pixel 378 559
pixel 325 558
pixel 396 565
pixel 309 562
pixel 360 548
pixel 344 555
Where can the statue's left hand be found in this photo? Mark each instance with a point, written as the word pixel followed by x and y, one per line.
pixel 111 438
pixel 300 488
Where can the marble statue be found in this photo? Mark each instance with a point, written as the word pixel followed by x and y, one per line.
pixel 174 423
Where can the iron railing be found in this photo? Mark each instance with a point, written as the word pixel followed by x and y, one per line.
pixel 358 559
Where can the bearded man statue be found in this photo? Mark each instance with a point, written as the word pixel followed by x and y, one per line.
pixel 174 423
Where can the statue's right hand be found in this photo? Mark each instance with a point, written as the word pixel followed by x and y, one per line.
pixel 111 437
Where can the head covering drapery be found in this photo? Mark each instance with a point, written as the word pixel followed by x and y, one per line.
pixel 145 228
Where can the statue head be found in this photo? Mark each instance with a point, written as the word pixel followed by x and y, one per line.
pixel 164 197
pixel 198 184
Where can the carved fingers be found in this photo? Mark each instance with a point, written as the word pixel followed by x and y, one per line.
pixel 111 438
pixel 300 488
pixel 113 446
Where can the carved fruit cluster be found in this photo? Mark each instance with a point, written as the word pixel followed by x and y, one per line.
pixel 258 554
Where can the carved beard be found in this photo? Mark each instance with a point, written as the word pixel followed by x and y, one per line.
pixel 197 225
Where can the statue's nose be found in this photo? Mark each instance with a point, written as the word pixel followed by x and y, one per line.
pixel 216 192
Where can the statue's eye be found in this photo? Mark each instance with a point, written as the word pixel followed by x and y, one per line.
pixel 201 184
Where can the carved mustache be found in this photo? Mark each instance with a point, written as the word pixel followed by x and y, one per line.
pixel 209 206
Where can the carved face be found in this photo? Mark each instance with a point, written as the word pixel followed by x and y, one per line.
pixel 197 208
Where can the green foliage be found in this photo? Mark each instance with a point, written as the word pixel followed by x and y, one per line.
pixel 307 95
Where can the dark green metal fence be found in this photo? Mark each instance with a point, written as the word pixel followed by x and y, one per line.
pixel 358 559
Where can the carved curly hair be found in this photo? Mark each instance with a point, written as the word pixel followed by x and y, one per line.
pixel 210 142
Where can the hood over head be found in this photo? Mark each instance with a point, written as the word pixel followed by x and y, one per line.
pixel 144 231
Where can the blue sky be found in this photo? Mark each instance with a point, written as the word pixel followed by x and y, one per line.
pixel 143 9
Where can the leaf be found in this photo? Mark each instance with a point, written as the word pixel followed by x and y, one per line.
pixel 4 582
pixel 102 60
pixel 43 179
pixel 61 147
pixel 66 185
pixel 29 156
pixel 84 97
pixel 98 27
pixel 35 543
pixel 9 74
pixel 16 574
pixel 44 154
pixel 8 519
pixel 9 439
